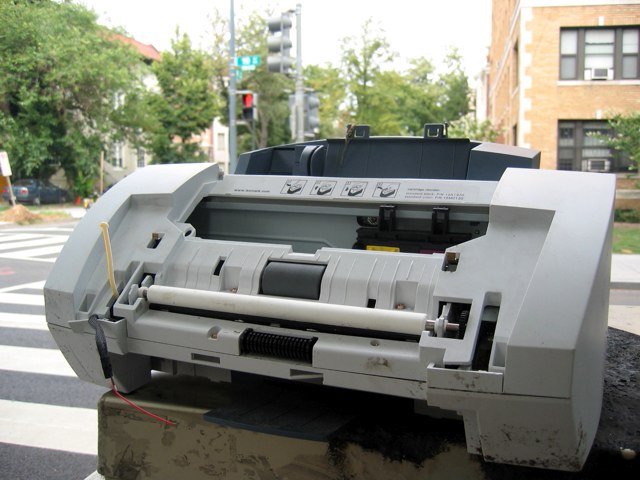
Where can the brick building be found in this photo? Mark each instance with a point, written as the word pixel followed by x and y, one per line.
pixel 558 69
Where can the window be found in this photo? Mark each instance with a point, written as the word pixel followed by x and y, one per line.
pixel 599 53
pixel 630 53
pixel 568 53
pixel 599 46
pixel 515 66
pixel 580 147
pixel 117 152
pixel 140 157
pixel 222 142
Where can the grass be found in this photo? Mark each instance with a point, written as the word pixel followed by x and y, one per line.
pixel 626 238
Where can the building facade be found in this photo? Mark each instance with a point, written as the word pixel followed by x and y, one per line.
pixel 557 70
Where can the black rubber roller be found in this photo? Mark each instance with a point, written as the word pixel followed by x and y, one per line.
pixel 293 280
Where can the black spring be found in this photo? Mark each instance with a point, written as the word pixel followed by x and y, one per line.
pixel 274 345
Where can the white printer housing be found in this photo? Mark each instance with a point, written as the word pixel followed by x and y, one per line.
pixel 529 289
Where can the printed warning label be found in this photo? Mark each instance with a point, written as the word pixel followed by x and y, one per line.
pixel 433 194
pixel 323 188
pixel 354 189
pixel 293 187
pixel 386 189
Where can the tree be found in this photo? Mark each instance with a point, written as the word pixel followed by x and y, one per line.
pixel 469 127
pixel 424 96
pixel 455 89
pixel 399 103
pixel 363 59
pixel 185 105
pixel 61 73
pixel 331 90
pixel 626 136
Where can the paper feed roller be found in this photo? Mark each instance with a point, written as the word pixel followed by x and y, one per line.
pixel 478 297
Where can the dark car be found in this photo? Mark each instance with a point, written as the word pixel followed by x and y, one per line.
pixel 30 190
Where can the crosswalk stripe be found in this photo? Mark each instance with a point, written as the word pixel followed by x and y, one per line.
pixel 69 429
pixel 19 237
pixel 31 286
pixel 39 242
pixel 21 299
pixel 45 361
pixel 56 229
pixel 36 231
pixel 23 320
pixel 34 253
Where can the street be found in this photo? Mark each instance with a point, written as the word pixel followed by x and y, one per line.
pixel 48 422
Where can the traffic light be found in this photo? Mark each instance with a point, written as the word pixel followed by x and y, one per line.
pixel 311 114
pixel 249 104
pixel 279 44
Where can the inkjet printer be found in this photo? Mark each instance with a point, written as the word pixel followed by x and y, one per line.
pixel 447 271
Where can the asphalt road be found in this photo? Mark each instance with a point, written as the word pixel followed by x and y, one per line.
pixel 38 410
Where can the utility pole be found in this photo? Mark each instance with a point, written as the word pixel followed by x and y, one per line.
pixel 299 78
pixel 232 91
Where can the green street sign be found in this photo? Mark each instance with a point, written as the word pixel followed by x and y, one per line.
pixel 248 62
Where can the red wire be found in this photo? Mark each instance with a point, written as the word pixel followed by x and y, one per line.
pixel 140 409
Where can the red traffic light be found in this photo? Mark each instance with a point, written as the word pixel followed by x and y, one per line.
pixel 247 100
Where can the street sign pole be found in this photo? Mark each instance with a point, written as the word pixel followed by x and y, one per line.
pixel 232 92
pixel 299 78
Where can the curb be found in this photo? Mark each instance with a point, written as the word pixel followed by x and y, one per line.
pixel 624 286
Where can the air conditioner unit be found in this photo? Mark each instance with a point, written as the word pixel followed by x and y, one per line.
pixel 596 165
pixel 599 74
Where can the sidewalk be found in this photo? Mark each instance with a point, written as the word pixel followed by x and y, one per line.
pixel 625 272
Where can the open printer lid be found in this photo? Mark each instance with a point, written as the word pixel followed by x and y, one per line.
pixel 432 156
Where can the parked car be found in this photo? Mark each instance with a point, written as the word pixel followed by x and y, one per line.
pixel 30 190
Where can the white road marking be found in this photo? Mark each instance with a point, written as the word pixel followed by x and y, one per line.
pixel 68 429
pixel 38 242
pixel 18 237
pixel 45 361
pixel 31 286
pixel 34 253
pixel 21 299
pixel 23 320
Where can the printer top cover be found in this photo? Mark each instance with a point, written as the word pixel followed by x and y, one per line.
pixel 424 268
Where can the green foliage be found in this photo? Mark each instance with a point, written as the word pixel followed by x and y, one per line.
pixel 399 103
pixel 469 127
pixel 423 93
pixel 363 58
pixel 60 75
pixel 626 137
pixel 455 92
pixel 185 104
pixel 626 216
pixel 331 89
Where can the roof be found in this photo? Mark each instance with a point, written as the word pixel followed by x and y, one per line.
pixel 148 51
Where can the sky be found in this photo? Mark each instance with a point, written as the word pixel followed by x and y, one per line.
pixel 413 28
